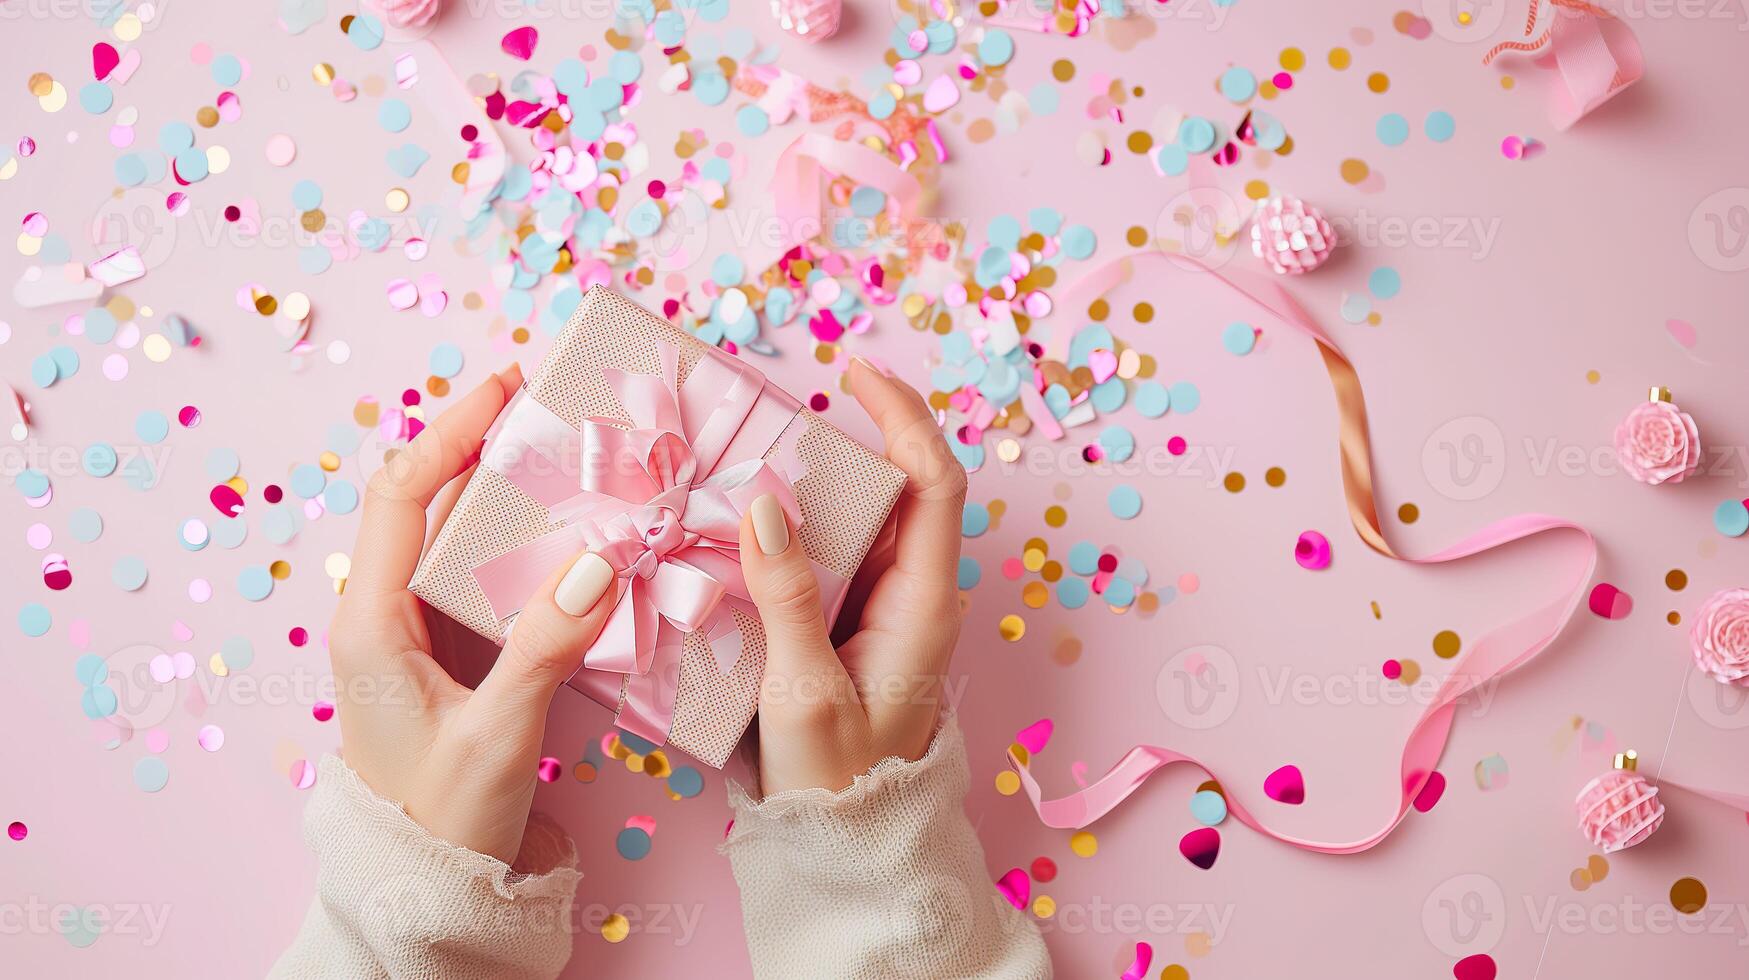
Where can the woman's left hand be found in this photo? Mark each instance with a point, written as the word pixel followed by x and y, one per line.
pixel 463 762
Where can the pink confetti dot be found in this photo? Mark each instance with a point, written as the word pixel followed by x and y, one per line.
pixel 281 150
pixel 115 367
pixel 1283 80
pixel 1012 568
pixel 549 769
pixel 1176 445
pixel 189 416
pixel 17 830
pixel 1512 147
pixel 322 711
pixel 298 636
pixel 211 737
pixel 1393 670
pixel 157 740
pixel 200 590
pixel 38 536
pixel 1188 583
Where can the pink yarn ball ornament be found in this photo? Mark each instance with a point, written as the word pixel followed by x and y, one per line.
pixel 1658 442
pixel 810 20
pixel 1619 808
pixel 1291 236
pixel 1312 551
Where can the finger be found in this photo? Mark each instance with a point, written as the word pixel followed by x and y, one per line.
pixel 930 511
pixel 799 655
pixel 546 645
pixel 444 505
pixel 392 528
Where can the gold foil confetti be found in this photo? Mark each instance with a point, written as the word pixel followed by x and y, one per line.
pixel 1446 644
pixel 1007 782
pixel 1011 627
pixel 1084 844
pixel 1676 580
pixel 1688 895
pixel 1234 482
pixel 1275 476
pixel 1044 906
pixel 615 928
pixel 1408 513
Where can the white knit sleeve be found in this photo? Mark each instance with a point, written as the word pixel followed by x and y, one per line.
pixel 394 901
pixel 883 879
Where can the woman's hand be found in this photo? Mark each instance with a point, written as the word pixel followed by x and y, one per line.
pixel 827 716
pixel 463 762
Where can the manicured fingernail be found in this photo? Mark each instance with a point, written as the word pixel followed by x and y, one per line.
pixel 770 528
pixel 585 583
pixel 872 366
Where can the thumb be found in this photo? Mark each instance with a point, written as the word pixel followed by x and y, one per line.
pixel 781 581
pixel 547 642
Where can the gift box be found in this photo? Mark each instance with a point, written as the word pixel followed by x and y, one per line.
pixel 638 441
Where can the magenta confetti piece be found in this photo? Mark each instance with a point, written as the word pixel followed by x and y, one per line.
pixel 1430 793
pixel 520 43
pixel 1610 602
pixel 227 500
pixel 1286 785
pixel 1139 968
pixel 56 574
pixel 1201 846
pixel 1034 736
pixel 1312 551
pixel 550 768
pixel 17 830
pixel 103 60
pixel 1478 967
pixel 1016 887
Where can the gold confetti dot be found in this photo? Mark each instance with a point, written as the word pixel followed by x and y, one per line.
pixel 1446 644
pixel 1275 476
pixel 1032 559
pixel 1056 516
pixel 1688 895
pixel 1580 879
pixel 207 117
pixel 329 461
pixel 1257 190
pixel 1676 580
pixel 1137 236
pixel 615 928
pixel 1098 310
pixel 1084 844
pixel 41 84
pixel 1143 312
pixel 1044 906
pixel 1007 782
pixel 1378 81
pixel 1293 59
pixel 1035 595
pixel 1507 81
pixel 584 772
pixel 266 305
pixel 1354 171
pixel 1174 972
pixel 1592 377
pixel 323 73
pixel 1140 141
pixel 1673 617
pixel 1234 482
pixel 1198 944
pixel 1063 69
pixel 1011 627
pixel 1408 513
pixel 437 387
pixel 1598 867
pixel 1267 89
pixel 1410 672
pixel 217 665
pixel 313 220
pixel 1340 58
pixel 1051 571
pixel 1068 650
pixel 280 570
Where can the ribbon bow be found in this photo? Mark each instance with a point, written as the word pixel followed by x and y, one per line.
pixel 662 502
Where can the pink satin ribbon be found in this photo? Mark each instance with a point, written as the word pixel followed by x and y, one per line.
pixel 1596 54
pixel 806 167
pixel 662 502
pixel 1494 654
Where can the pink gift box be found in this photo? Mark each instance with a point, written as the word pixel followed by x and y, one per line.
pixel 638 441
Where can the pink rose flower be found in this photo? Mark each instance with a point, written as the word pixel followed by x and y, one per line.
pixel 408 13
pixel 1720 637
pixel 1658 442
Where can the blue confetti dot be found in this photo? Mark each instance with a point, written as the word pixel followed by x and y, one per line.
pixel 228 533
pixel 222 463
pixel 882 105
pixel 1172 159
pixel 91 670
pixel 970 572
pixel 1120 592
pixel 151 773
pixel 340 497
pixel 34 619
pixel 98 702
pixel 85 524
pixel 1208 807
pixel 996 48
pixel 1185 397
pixel 1078 241
pixel 1197 134
pixel 446 360
pixel 128 573
pixel 1238 338
pixel 633 844
pixel 31 483
pixel 1118 443
pixel 314 260
pixel 255 583
pixel 1731 518
pixel 174 137
pixel 866 202
pixel 1044 98
pixel 1152 399
pixel 1083 558
pixel 711 88
pixel 307 480
pixel 365 32
pixel 974 520
pixel 100 326
pixel 1109 395
pixel 1384 282
pixel 1004 232
pixel 227 70
pixel 752 120
pixel 686 782
pixel 99 459
pixel 1072 593
pixel 306 195
pixel 1238 84
pixel 1124 502
pixel 1440 126
pixel 96 98
pixel 151 426
pixel 130 170
pixel 625 67
pixel 394 115
pixel 728 270
pixel 43 371
pixel 1392 129
pixel 237 652
pixel 191 165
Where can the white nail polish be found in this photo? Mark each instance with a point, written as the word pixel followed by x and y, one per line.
pixel 770 528
pixel 585 583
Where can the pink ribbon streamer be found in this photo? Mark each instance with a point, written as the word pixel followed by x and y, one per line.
pixel 807 165
pixel 1496 653
pixel 1596 54
pixel 662 502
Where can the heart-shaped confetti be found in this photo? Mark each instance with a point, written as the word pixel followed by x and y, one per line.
pixel 1103 364
pixel 1016 887
pixel 941 95
pixel 103 60
pixel 1034 736
pixel 1201 846
pixel 1286 785
pixel 1610 602
pixel 520 43
pixel 1478 967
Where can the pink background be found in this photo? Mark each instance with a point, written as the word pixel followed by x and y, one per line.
pixel 1595 244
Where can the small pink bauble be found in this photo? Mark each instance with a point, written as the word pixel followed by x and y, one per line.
pixel 810 20
pixel 1312 551
pixel 1619 808
pixel 1290 235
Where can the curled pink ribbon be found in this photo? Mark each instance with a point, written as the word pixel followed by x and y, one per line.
pixel 1597 55
pixel 661 501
